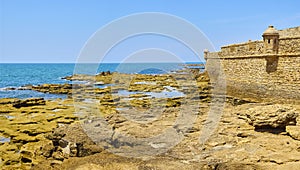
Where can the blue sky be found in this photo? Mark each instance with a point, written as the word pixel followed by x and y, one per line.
pixel 55 31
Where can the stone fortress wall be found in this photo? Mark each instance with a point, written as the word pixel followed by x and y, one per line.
pixel 265 70
pixel 290 32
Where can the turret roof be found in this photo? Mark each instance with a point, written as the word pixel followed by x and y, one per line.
pixel 271 31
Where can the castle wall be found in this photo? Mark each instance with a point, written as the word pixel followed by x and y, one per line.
pixel 290 32
pixel 289 45
pixel 213 66
pixel 262 77
pixel 248 78
pixel 243 49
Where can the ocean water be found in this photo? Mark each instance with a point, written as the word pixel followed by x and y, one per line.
pixel 18 75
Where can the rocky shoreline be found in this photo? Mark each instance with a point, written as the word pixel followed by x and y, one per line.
pixel 56 134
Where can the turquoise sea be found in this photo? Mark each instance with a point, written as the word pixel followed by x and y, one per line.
pixel 17 75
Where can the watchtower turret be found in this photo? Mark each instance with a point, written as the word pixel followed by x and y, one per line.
pixel 206 54
pixel 271 40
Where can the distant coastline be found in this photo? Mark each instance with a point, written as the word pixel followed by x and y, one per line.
pixel 16 75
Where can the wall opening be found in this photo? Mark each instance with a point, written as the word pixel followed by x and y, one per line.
pixel 272 63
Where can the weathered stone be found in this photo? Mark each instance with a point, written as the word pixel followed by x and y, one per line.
pixel 73 149
pixel 57 88
pixel 29 102
pixel 259 70
pixel 58 156
pixel 27 130
pixel 63 143
pixel 47 149
pixel 26 156
pixel 23 138
pixel 8 101
pixel 237 166
pixel 289 166
pixel 271 116
pixel 56 162
pixel 293 131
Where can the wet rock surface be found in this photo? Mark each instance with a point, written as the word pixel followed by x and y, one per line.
pixel 234 145
pixel 72 133
pixel 24 123
pixel 29 102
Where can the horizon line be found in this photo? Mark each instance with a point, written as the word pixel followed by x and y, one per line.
pixel 96 63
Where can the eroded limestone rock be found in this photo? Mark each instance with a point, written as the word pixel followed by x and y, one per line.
pixel 270 116
pixel 23 126
pixel 293 131
pixel 29 102
pixel 70 141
